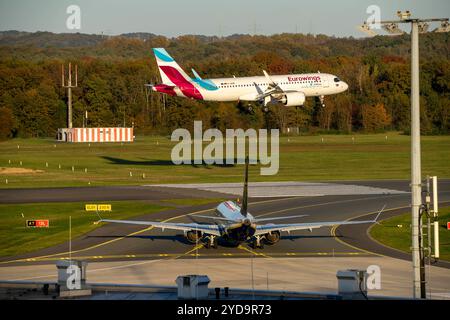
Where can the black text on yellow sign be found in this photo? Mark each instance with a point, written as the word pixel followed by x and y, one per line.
pixel 98 207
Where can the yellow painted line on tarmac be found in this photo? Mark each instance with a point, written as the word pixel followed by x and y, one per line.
pixel 189 253
pixel 333 231
pixel 45 257
pixel 251 251
pixel 131 234
pixel 103 243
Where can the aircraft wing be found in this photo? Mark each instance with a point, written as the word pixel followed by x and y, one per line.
pixel 266 228
pixel 213 229
pixel 272 89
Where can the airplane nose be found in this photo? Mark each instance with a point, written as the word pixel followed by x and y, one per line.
pixel 345 85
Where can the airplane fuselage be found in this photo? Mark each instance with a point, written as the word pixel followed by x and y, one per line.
pixel 248 88
pixel 242 229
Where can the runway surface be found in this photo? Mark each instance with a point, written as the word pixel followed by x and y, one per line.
pixel 113 242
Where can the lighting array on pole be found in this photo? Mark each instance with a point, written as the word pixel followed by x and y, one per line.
pixel 417 26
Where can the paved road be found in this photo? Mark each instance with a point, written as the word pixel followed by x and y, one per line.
pixel 113 242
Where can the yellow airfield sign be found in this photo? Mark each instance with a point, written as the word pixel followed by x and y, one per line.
pixel 90 207
pixel 98 207
pixel 104 207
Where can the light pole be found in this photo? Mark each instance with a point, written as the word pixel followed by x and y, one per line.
pixel 417 25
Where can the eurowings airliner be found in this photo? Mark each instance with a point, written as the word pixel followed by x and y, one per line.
pixel 234 224
pixel 288 90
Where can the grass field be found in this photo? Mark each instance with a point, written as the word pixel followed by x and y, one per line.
pixel 389 233
pixel 337 157
pixel 16 238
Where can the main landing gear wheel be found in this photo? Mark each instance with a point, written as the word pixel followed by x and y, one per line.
pixel 266 109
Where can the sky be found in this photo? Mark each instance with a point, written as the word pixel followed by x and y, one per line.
pixel 208 17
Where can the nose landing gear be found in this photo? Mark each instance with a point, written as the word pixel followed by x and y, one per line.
pixel 257 243
pixel 322 101
pixel 211 242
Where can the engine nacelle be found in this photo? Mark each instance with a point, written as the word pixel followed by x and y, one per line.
pixel 193 236
pixel 293 99
pixel 272 237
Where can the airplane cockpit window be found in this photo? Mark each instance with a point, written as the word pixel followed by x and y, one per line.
pixel 337 79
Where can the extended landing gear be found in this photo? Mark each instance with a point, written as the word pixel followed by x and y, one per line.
pixel 257 243
pixel 211 242
pixel 322 101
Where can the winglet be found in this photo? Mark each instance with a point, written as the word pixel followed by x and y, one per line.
pixel 269 79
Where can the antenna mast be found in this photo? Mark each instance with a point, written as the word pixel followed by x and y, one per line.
pixel 69 87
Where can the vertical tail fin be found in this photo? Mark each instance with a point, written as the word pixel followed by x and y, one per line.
pixel 171 73
pixel 245 193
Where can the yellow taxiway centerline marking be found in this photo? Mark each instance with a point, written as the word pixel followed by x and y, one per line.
pixel 333 231
pixel 206 210
pixel 251 251
pixel 131 234
pixel 150 255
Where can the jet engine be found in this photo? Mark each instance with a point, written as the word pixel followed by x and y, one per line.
pixel 272 237
pixel 193 236
pixel 293 99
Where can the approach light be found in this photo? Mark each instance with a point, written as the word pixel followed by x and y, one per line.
pixel 404 15
pixel 423 27
pixel 366 29
pixel 393 29
pixel 445 27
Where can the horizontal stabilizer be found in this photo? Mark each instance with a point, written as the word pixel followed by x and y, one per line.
pixel 278 218
pixel 215 218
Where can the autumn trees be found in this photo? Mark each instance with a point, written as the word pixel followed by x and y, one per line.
pixel 113 71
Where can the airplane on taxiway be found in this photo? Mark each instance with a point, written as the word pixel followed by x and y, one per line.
pixel 234 224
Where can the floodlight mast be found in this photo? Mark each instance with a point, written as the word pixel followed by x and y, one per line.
pixel 417 25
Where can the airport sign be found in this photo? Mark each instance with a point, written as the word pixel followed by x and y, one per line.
pixel 104 207
pixel 98 207
pixel 38 223
pixel 90 207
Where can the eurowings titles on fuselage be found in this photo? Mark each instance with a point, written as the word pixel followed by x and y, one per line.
pixel 289 90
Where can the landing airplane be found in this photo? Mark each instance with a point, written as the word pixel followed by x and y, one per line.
pixel 236 225
pixel 289 90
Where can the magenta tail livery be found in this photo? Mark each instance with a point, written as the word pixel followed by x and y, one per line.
pixel 289 90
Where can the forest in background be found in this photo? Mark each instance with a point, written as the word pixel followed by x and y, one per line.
pixel 112 71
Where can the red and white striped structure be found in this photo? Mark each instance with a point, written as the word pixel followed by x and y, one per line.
pixel 100 135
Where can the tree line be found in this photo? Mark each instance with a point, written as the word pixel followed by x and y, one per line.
pixel 112 72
